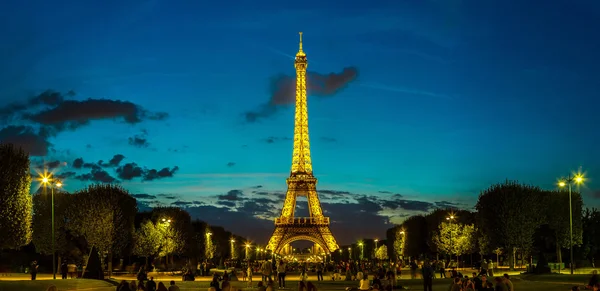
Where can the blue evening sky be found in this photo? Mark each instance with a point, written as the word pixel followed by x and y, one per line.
pixel 450 97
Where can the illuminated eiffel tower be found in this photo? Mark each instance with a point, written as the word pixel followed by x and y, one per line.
pixel 301 182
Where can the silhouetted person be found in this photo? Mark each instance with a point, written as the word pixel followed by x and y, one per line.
pixel 151 285
pixel 34 269
pixel 428 274
pixel 64 270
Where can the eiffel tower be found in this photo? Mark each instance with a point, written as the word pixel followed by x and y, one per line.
pixel 301 182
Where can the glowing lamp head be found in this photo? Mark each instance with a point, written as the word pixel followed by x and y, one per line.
pixel 360 244
pixel 232 240
pixel 168 221
pixel 578 179
pixel 58 184
pixel 562 184
pixel 208 234
pixel 45 180
pixel 376 240
pixel 402 232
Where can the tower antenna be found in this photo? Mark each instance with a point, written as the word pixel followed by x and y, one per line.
pixel 301 41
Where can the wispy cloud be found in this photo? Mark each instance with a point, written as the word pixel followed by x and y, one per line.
pixel 405 90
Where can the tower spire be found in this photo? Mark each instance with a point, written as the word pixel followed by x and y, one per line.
pixel 300 50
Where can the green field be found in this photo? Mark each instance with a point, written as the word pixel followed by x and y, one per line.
pixel 541 282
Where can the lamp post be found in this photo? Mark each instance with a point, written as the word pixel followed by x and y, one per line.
pixel 375 250
pixel 166 222
pixel 576 179
pixel 232 248
pixel 46 180
pixel 247 250
pixel 451 219
pixel 349 253
pixel 403 237
pixel 361 250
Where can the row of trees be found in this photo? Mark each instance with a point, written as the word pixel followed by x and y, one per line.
pixel 510 218
pixel 102 217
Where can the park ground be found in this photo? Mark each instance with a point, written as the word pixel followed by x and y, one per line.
pixel 552 282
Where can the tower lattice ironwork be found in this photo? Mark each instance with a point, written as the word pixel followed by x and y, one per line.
pixel 301 182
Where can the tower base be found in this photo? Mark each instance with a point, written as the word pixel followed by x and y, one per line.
pixel 317 233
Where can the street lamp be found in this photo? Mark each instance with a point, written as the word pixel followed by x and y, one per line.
pixel 46 180
pixel 451 219
pixel 349 253
pixel 361 250
pixel 578 180
pixel 247 250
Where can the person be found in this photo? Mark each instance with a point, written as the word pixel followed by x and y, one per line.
pixel 319 272
pixel 500 285
pixel 34 269
pixel 151 285
pixel 161 287
pixel 428 274
pixel 123 286
pixel 173 287
pixel 215 282
pixel 364 283
pixel 249 273
pixel 133 285
pixel 484 266
pixel 413 269
pixel 64 270
pixel 468 285
pixel 508 282
pixel 260 286
pixel 267 270
pixel 456 284
pixel 593 280
pixel 281 269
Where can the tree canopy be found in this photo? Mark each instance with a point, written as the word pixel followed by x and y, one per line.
pixel 15 199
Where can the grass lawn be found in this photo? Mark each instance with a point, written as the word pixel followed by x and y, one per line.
pixel 42 285
pixel 528 283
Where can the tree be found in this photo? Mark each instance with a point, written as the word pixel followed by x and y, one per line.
pixel 440 215
pixel 455 239
pixel 591 233
pixel 148 239
pixel 15 200
pixel 381 253
pixel 557 217
pixel 510 213
pixel 104 215
pixel 176 226
pixel 42 217
pixel 415 236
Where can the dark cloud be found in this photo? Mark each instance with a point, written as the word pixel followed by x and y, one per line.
pixel 408 205
pixel 139 140
pixel 114 162
pixel 226 203
pixel 167 196
pixel 26 137
pixel 328 139
pixel 78 163
pixel 143 196
pixel 283 88
pixel 182 203
pixel 153 174
pixel 384 192
pixel 446 204
pixel 232 195
pixel 256 187
pixel 230 164
pixel 97 175
pixel 273 139
pixel 47 165
pixel 47 98
pixel 71 114
pixel 131 171
pixel 65 175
